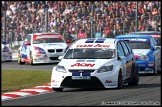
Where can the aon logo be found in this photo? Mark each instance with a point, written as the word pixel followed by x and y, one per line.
pixel 82 65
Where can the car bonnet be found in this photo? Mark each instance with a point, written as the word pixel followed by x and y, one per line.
pixel 84 63
pixel 141 51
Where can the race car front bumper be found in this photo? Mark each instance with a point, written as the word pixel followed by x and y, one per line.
pixel 94 80
pixel 44 58
pixel 145 67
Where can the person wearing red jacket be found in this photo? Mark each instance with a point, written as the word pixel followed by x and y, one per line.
pixel 82 34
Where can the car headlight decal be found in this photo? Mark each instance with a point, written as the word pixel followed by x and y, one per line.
pixel 105 69
pixel 60 69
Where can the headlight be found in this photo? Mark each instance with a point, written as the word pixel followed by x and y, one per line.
pixel 60 69
pixel 143 57
pixel 105 69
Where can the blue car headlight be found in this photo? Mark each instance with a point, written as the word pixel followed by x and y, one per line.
pixel 143 57
pixel 105 69
pixel 60 69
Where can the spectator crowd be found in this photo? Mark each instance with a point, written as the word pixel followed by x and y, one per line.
pixel 78 19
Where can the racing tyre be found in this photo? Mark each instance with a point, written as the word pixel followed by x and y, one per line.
pixel 58 89
pixel 120 80
pixel 19 59
pixel 135 79
pixel 31 59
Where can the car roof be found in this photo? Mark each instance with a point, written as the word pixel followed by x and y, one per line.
pixel 146 32
pixel 86 41
pixel 134 36
pixel 154 34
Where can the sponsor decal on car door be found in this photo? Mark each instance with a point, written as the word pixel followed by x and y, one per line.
pixel 129 66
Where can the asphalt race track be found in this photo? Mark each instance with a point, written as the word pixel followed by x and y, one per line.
pixel 148 92
pixel 15 66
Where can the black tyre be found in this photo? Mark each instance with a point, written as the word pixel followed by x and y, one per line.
pixel 58 89
pixel 135 78
pixel 120 80
pixel 19 59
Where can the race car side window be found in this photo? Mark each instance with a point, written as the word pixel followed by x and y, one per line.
pixel 125 48
pixel 120 51
pixel 129 49
pixel 152 43
pixel 28 38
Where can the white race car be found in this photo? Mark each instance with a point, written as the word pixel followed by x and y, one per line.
pixel 93 63
pixel 6 53
pixel 41 48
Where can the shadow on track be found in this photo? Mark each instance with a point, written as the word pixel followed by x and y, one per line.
pixel 123 88
pixel 142 75
pixel 42 64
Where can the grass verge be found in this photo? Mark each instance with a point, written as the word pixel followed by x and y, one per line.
pixel 17 79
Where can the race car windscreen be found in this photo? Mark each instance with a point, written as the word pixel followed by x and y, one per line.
pixel 37 39
pixel 157 36
pixel 139 45
pixel 90 53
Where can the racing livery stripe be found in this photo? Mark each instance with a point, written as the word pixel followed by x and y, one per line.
pixel 91 60
pixel 80 60
pixel 90 40
pixel 101 40
pixel 24 56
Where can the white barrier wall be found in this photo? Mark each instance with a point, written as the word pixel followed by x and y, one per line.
pixel 15 43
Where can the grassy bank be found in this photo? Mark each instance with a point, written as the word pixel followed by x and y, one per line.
pixel 17 79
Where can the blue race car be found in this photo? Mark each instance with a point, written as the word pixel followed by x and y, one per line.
pixel 146 53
